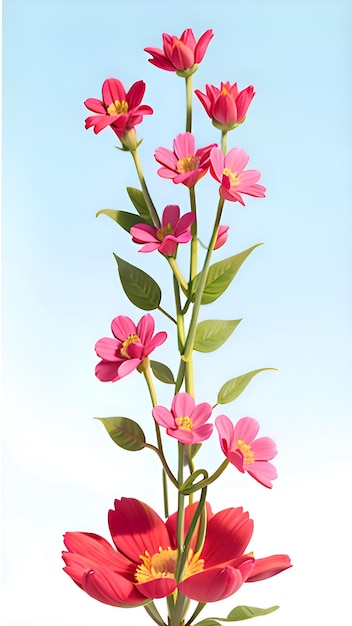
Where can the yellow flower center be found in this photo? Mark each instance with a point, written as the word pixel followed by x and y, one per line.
pixel 163 231
pixel 117 107
pixel 188 164
pixel 124 348
pixel 246 450
pixel 224 91
pixel 234 179
pixel 163 565
pixel 184 422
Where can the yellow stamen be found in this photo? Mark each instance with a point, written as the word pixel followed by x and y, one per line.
pixel 234 179
pixel 224 91
pixel 188 164
pixel 184 422
pixel 163 231
pixel 163 565
pixel 245 448
pixel 117 107
pixel 124 348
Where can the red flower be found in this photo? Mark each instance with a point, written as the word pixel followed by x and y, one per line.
pixel 227 107
pixel 132 344
pixel 173 230
pixel 229 171
pixel 142 567
pixel 117 109
pixel 185 164
pixel 221 238
pixel 180 54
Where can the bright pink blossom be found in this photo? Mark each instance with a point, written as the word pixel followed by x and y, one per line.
pixel 180 54
pixel 185 164
pixel 132 344
pixel 186 420
pixel 221 238
pixel 244 451
pixel 227 107
pixel 141 567
pixel 229 171
pixel 118 109
pixel 166 237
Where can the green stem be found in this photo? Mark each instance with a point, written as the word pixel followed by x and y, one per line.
pixel 160 454
pixel 224 141
pixel 189 104
pixel 180 506
pixel 182 562
pixel 194 242
pixel 196 612
pixel 153 612
pixel 151 208
pixel 167 314
pixel 177 272
pixel 207 481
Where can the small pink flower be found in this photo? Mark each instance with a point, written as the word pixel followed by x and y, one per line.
pixel 118 109
pixel 244 451
pixel 227 107
pixel 234 179
pixel 186 420
pixel 185 164
pixel 132 344
pixel 172 231
pixel 223 233
pixel 180 54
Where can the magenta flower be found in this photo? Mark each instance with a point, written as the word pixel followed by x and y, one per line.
pixel 244 451
pixel 227 107
pixel 132 344
pixel 180 54
pixel 221 238
pixel 229 171
pixel 185 164
pixel 173 230
pixel 118 109
pixel 186 420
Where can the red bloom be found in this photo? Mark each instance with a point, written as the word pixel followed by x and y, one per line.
pixel 180 54
pixel 142 567
pixel 185 164
pixel 229 171
pixel 117 109
pixel 221 238
pixel 173 230
pixel 227 106
pixel 132 344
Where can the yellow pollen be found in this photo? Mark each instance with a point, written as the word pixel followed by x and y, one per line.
pixel 188 164
pixel 124 348
pixel 246 450
pixel 117 107
pixel 184 422
pixel 224 91
pixel 234 179
pixel 163 565
pixel 163 231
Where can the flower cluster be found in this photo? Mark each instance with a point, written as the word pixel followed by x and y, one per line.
pixel 195 554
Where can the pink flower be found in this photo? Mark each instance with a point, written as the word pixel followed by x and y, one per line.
pixel 117 109
pixel 186 420
pixel 132 344
pixel 229 171
pixel 180 54
pixel 248 454
pixel 173 230
pixel 185 164
pixel 221 238
pixel 227 107
pixel 142 565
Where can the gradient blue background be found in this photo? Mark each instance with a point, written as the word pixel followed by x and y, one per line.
pixel 61 289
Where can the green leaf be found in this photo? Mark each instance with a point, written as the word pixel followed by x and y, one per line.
pixel 208 622
pixel 139 287
pixel 162 372
pixel 137 198
pixel 124 432
pixel 122 218
pixel 220 276
pixel 238 614
pixel 211 334
pixel 234 387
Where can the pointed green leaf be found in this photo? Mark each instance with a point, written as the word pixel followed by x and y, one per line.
pixel 234 387
pixel 211 334
pixel 208 622
pixel 139 287
pixel 137 198
pixel 220 276
pixel 245 612
pixel 124 432
pixel 162 372
pixel 122 218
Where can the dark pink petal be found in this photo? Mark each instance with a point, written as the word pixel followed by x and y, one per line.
pixel 184 223
pixel 225 110
pixel 127 366
pixel 168 246
pixel 111 588
pixel 212 584
pixel 189 39
pixel 236 160
pixel 135 94
pixel 243 101
pixel 157 340
pixel 217 160
pixel 225 429
pixel 246 429
pixel 113 90
pixel 205 100
pixel 166 173
pixel 107 371
pixel 135 528
pixel 221 236
pixel 201 433
pixel 231 196
pixel 189 178
pixel 184 145
pixel 150 247
pixel 100 122
pixel 201 413
pixel 145 328
pixel 182 404
pixel 181 434
pixel 135 350
pixel 159 59
pixel 108 349
pixel 163 417
pixel 202 45
pixel 93 104
pixel 171 215
pixel 179 54
pixel 264 449
pixel 269 566
pixel 122 326
pixel 144 233
pixel 262 471
pixel 157 588
pixel 236 458
pixel 235 529
pixel 96 549
pixel 166 157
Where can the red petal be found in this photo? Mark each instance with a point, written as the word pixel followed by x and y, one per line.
pixel 212 584
pixel 269 566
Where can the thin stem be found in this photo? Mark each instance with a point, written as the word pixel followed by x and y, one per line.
pixel 224 141
pixel 207 481
pixel 194 242
pixel 189 104
pixel 196 612
pixel 177 272
pixel 167 314
pixel 180 507
pixel 160 454
pixel 151 208
pixel 153 612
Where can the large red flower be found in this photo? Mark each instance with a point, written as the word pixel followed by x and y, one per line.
pixel 180 54
pixel 142 567
pixel 118 109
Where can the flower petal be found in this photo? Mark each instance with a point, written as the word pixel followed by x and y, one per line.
pixel 212 584
pixel 269 566
pixel 246 429
pixel 111 588
pixel 235 528
pixel 122 326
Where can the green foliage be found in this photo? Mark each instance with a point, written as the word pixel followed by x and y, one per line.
pixel 124 432
pixel 234 387
pixel 220 275
pixel 238 614
pixel 211 334
pixel 137 198
pixel 162 372
pixel 122 218
pixel 140 288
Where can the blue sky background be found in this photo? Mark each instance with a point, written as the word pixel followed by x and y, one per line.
pixel 61 288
